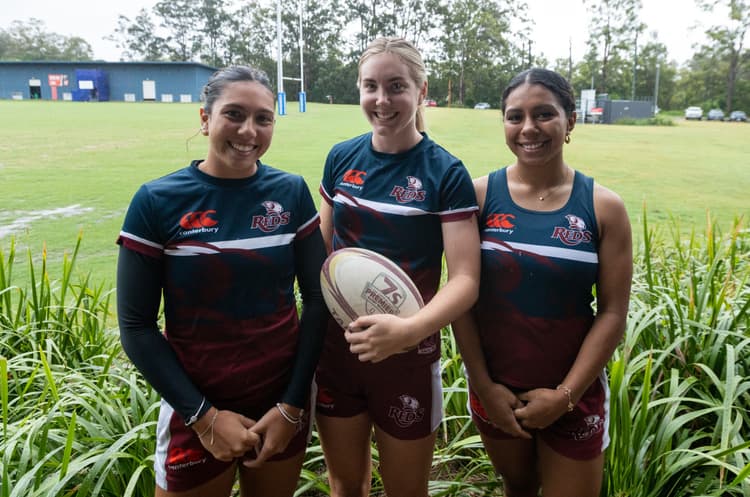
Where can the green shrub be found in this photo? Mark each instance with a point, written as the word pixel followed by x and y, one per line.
pixel 78 420
pixel 651 121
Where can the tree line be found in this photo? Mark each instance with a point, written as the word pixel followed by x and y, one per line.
pixel 472 47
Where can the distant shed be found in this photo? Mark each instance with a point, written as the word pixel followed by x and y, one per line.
pixel 101 81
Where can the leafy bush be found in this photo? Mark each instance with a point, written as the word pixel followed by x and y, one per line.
pixel 651 121
pixel 78 420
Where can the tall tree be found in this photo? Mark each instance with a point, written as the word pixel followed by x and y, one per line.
pixel 703 81
pixel 30 40
pixel 416 19
pixel 474 38
pixel 613 33
pixel 323 23
pixel 369 19
pixel 729 39
pixel 248 37
pixel 138 39
pixel 214 19
pixel 180 19
pixel 652 60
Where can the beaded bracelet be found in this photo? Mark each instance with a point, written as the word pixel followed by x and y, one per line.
pixel 286 415
pixel 569 394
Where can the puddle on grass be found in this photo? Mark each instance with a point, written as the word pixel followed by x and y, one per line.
pixel 22 219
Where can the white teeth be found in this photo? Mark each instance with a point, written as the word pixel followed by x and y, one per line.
pixel 380 115
pixel 531 146
pixel 242 148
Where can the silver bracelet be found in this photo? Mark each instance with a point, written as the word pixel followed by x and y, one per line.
pixel 194 417
pixel 286 415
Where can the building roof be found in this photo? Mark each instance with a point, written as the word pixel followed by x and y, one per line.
pixel 103 62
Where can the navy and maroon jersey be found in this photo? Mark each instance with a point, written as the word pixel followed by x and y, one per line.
pixel 395 204
pixel 538 272
pixel 227 252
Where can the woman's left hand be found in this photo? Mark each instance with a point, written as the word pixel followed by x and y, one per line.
pixel 275 433
pixel 543 407
pixel 378 336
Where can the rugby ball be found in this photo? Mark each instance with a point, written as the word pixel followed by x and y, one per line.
pixel 357 282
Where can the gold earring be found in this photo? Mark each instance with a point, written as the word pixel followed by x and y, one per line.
pixel 567 137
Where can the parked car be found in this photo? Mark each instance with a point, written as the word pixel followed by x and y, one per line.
pixel 694 113
pixel 737 115
pixel 428 102
pixel 482 105
pixel 715 115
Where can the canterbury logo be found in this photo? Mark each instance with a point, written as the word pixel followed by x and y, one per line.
pixel 198 219
pixel 500 221
pixel 354 177
pixel 182 456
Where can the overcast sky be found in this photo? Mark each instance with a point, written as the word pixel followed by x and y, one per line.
pixel 678 23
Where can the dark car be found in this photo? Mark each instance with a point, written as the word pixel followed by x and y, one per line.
pixel 738 115
pixel 715 115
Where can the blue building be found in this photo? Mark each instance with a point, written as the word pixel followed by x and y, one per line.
pixel 102 81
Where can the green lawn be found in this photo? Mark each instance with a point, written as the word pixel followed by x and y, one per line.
pixel 67 167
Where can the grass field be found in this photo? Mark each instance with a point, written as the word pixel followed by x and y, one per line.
pixel 70 167
pixel 78 421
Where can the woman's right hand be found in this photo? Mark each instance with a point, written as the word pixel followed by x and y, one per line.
pixel 229 437
pixel 499 403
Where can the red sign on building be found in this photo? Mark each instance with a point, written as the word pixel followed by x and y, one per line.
pixel 57 80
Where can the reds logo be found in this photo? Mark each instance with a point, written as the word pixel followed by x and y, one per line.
pixel 428 345
pixel 500 221
pixel 198 219
pixel 408 413
pixel 574 234
pixel 354 177
pixel 575 222
pixel 275 217
pixel 383 296
pixel 592 425
pixel 411 193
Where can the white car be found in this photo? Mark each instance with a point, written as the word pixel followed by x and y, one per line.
pixel 694 113
pixel 482 105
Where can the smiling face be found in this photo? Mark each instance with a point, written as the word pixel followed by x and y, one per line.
pixel 535 125
pixel 239 129
pixel 390 97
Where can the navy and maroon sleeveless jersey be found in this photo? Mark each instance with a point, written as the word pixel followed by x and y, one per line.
pixel 538 273
pixel 227 253
pixel 395 204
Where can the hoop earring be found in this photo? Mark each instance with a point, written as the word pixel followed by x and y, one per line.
pixel 567 138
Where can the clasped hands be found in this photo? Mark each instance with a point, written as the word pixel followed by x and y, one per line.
pixel 515 414
pixel 234 436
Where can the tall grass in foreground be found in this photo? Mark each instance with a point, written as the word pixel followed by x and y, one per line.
pixel 78 420
pixel 680 382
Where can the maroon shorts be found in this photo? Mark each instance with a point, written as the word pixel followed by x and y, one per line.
pixel 182 463
pixel 406 403
pixel 581 434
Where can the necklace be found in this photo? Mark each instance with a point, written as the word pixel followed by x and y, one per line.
pixel 550 190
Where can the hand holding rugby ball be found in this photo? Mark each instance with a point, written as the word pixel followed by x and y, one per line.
pixel 357 282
